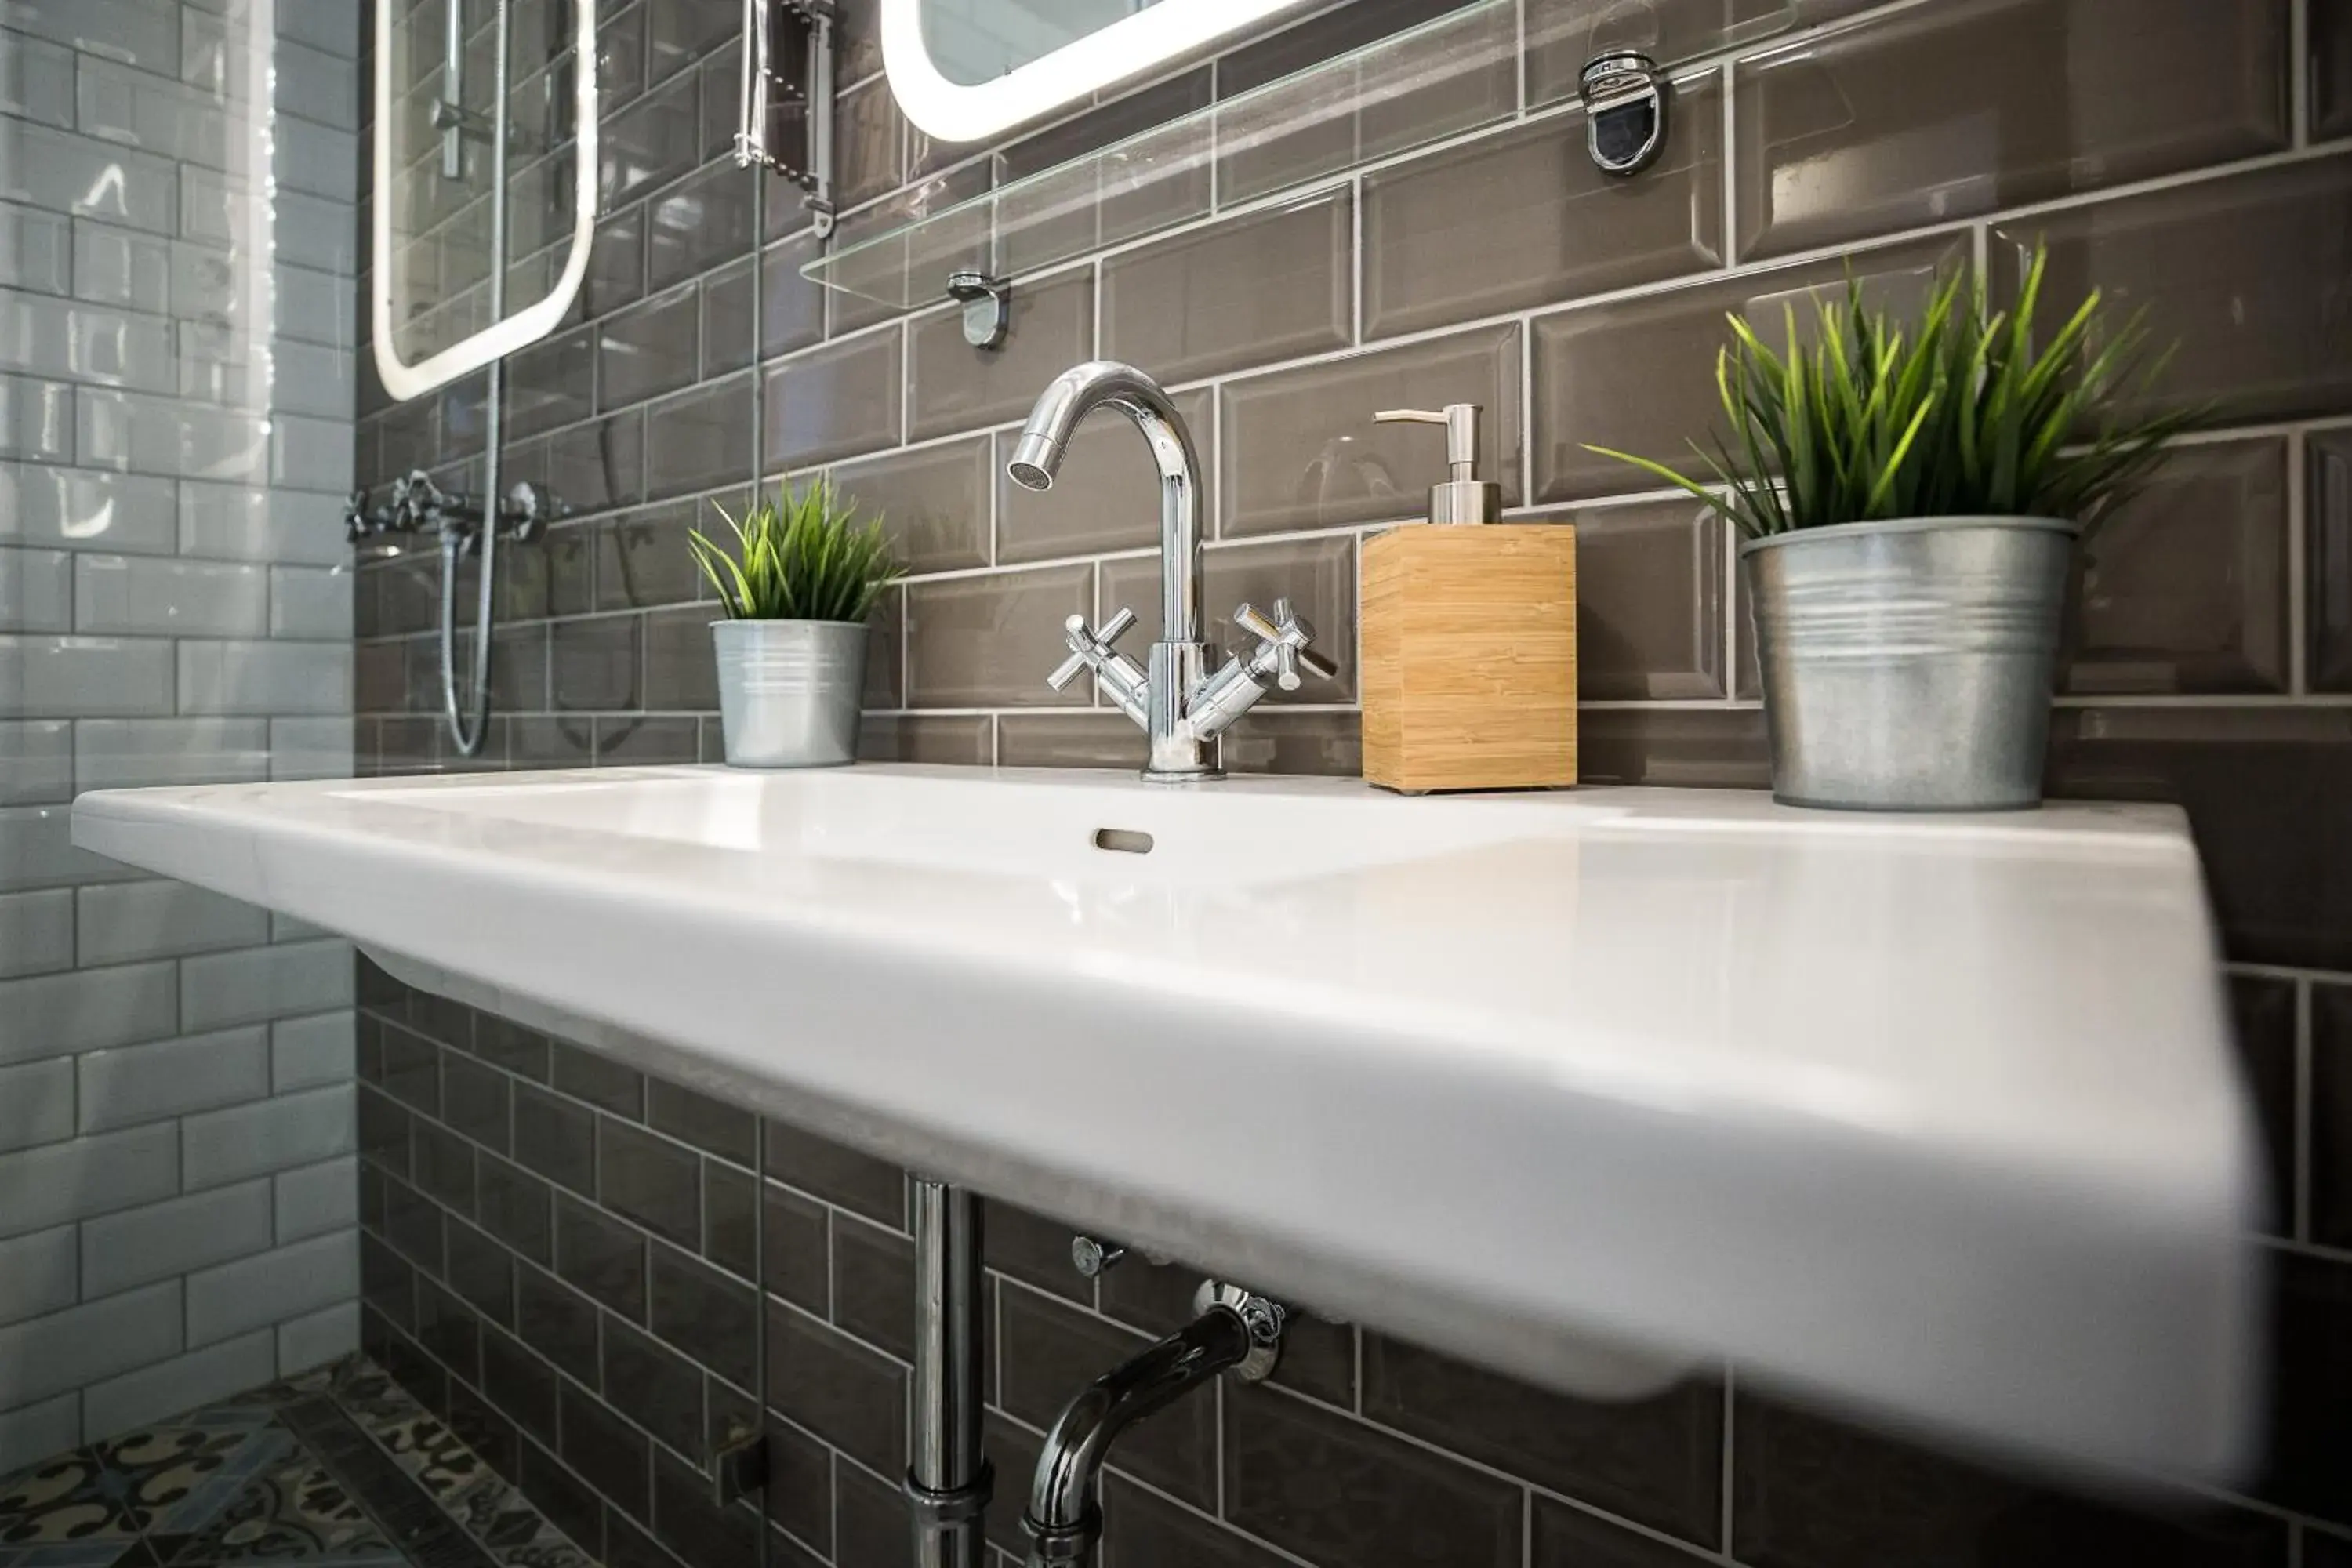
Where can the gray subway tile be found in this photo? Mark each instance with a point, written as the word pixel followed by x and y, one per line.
pixel 310 602
pixel 953 387
pixel 57 170
pixel 1282 1456
pixel 263 983
pixel 2183 588
pixel 131 753
pixel 62 1182
pixel 2327 545
pixel 37 850
pixel 1639 375
pixel 1275 285
pixel 86 1009
pixel 132 1084
pixel 160 1240
pixel 291 528
pixel 305 1053
pixel 1527 219
pixel 988 640
pixel 317 1338
pixel 698 439
pixel 35 1433
pixel 125 922
pixel 1298 447
pixel 121 267
pixel 39 1274
pixel 252 1292
pixel 82 1345
pixel 37 932
pixel 648 349
pixel 833 401
pixel 86 676
pixel 315 1199
pixel 36 761
pixel 36 1103
pixel 134 594
pixel 1658 1461
pixel 1650 580
pixel 280 677
pixel 199 1377
pixel 933 501
pixel 2192 255
pixel 1848 135
pixel 36 250
pixel 36 590
pixel 36 79
pixel 36 419
pixel 269 1136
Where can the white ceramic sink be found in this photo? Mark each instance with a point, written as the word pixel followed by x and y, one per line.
pixel 1934 1117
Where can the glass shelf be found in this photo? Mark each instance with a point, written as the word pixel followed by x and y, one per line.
pixel 1458 73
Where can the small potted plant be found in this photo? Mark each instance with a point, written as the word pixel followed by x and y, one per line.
pixel 1909 499
pixel 797 590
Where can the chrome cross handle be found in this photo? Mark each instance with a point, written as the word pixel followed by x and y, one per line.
pixel 1089 650
pixel 1283 646
pixel 1121 679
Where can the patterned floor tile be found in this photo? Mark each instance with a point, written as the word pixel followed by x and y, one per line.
pixel 294 1511
pixel 233 1484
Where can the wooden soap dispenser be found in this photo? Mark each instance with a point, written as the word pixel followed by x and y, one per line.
pixel 1469 629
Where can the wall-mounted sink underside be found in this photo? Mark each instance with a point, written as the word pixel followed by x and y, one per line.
pixel 1933 1116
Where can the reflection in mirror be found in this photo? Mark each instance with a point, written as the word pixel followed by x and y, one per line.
pixel 443 174
pixel 973 40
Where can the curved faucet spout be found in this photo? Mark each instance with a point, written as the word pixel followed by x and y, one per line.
pixel 1045 440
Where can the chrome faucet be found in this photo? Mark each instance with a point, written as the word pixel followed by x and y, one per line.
pixel 1180 703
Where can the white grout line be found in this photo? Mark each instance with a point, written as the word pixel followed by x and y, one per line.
pixel 2299 67
pixel 1727 165
pixel 2299 1221
pixel 2298 542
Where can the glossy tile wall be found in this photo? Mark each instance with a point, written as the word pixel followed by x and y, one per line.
pixel 177 1208
pixel 557 1251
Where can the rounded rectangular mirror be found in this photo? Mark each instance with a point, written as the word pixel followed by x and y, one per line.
pixel 965 72
pixel 484 198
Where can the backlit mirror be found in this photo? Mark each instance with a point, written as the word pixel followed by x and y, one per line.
pixel 485 181
pixel 965 70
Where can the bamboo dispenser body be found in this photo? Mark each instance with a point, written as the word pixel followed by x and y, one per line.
pixel 1469 657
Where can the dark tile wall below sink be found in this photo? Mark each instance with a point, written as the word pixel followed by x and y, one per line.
pixel 559 1254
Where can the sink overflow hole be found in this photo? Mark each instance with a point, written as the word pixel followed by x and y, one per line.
pixel 1126 840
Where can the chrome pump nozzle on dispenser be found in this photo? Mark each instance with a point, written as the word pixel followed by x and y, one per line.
pixel 1464 496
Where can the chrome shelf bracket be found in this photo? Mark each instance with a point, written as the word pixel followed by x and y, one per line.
pixel 1626 99
pixel 987 306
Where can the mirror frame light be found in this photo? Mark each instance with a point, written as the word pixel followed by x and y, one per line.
pixel 952 112
pixel 527 326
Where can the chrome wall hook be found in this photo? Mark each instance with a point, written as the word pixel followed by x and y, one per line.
pixel 1626 99
pixel 987 306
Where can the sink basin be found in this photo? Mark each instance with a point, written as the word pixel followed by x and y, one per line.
pixel 1935 1118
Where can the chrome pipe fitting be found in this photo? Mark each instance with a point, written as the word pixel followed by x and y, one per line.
pixel 1237 1332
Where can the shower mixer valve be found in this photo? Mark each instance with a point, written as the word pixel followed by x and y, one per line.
pixel 417 504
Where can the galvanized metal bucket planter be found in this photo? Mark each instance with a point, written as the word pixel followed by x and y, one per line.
pixel 789 691
pixel 1907 666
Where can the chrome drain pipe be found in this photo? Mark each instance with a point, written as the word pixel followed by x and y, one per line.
pixel 949 1481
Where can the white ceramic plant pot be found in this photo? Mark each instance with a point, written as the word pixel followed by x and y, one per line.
pixel 789 691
